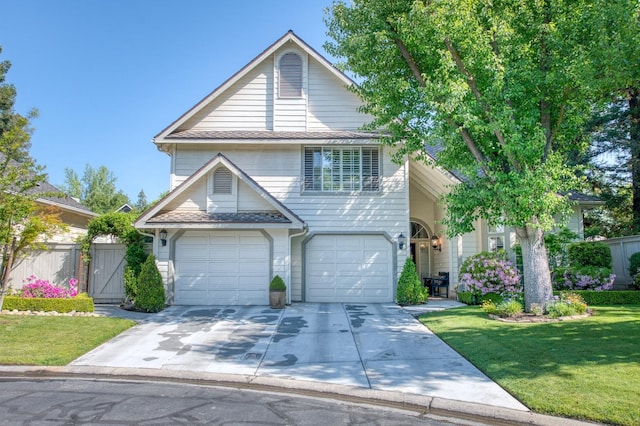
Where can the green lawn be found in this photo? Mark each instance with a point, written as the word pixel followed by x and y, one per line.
pixel 586 369
pixel 48 340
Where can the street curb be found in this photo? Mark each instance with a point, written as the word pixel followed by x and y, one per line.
pixel 417 403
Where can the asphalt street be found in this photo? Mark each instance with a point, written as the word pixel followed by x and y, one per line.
pixel 80 402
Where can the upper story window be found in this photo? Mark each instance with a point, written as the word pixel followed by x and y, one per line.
pixel 334 169
pixel 496 238
pixel 291 76
pixel 222 181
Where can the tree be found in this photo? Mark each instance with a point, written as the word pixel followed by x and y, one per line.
pixel 141 204
pixel 23 223
pixel 96 190
pixel 614 157
pixel 503 88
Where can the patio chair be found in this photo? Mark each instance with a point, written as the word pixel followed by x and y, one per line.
pixel 442 283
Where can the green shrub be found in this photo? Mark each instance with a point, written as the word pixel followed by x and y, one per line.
pixel 81 303
pixel 130 283
pixel 567 304
pixel 277 284
pixel 634 264
pixel 587 253
pixel 150 295
pixel 469 298
pixel 506 308
pixel 609 297
pixel 410 290
pixel 465 297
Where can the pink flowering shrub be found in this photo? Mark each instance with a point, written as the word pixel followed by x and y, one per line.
pixel 486 272
pixel 584 278
pixel 36 287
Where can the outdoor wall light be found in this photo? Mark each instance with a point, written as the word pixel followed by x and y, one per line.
pixel 163 237
pixel 435 243
pixel 402 241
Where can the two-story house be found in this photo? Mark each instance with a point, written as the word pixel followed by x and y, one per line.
pixel 270 175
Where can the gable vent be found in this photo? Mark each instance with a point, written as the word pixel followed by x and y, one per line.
pixel 222 180
pixel 291 76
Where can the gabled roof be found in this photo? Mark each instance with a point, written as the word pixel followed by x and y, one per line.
pixel 54 197
pixel 280 215
pixel 289 37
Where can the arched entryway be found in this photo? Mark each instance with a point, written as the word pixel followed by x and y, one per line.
pixel 420 248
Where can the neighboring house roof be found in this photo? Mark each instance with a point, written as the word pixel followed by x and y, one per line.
pixel 125 208
pixel 280 215
pixel 54 197
pixel 583 199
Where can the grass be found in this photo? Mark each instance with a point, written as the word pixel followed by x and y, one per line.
pixel 586 369
pixel 47 340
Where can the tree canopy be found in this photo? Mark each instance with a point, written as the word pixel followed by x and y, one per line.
pixel 503 88
pixel 23 223
pixel 96 189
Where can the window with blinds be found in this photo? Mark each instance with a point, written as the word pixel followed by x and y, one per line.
pixel 222 181
pixel 335 169
pixel 291 76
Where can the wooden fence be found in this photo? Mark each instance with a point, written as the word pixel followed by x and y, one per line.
pixel 102 278
pixel 621 250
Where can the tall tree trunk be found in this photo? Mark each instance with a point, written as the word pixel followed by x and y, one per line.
pixel 535 265
pixel 633 97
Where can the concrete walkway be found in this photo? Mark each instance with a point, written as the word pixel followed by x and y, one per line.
pixel 381 347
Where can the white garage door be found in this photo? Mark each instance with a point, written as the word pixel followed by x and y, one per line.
pixel 349 268
pixel 222 268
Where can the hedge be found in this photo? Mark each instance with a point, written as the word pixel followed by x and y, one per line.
pixel 608 297
pixel 467 297
pixel 80 303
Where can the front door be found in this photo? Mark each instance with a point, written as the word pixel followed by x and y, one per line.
pixel 420 256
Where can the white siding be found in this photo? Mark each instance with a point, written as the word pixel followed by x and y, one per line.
pixel 331 105
pixel 247 105
pixel 278 169
pixel 249 200
pixel 290 114
pixel 193 200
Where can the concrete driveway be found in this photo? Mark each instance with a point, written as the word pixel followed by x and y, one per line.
pixel 375 346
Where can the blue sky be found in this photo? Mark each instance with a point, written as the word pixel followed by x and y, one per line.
pixel 108 75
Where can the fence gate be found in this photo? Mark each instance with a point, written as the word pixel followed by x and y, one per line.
pixel 106 273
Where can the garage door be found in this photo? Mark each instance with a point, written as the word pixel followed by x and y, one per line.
pixel 222 268
pixel 349 268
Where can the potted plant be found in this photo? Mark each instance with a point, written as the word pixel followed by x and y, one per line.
pixel 277 293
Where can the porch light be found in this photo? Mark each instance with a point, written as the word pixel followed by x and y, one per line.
pixel 402 241
pixel 435 243
pixel 163 237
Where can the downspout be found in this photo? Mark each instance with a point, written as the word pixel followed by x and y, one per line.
pixel 305 229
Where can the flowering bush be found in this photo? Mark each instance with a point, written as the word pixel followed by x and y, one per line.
pixel 567 304
pixel 504 309
pixel 584 278
pixel 35 287
pixel 485 273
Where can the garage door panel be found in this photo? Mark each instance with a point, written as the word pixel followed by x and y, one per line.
pixel 231 267
pixel 348 268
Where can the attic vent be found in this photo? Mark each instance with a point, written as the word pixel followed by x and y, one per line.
pixel 290 76
pixel 222 180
